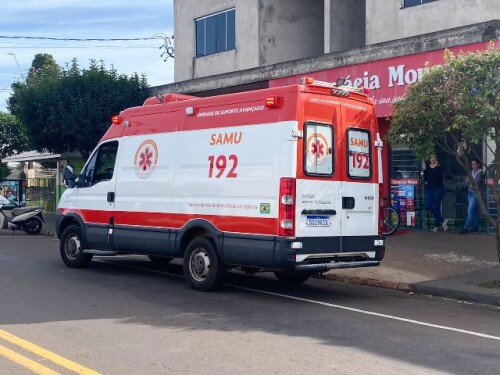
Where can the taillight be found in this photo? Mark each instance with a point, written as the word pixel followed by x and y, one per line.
pixel 287 207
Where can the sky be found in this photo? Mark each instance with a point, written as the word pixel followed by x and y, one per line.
pixel 84 19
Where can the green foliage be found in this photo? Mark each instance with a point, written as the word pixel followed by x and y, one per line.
pixel 70 109
pixel 454 107
pixel 13 135
pixel 43 63
pixel 4 171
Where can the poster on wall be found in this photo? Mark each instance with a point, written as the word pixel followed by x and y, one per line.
pixel 403 200
pixel 11 190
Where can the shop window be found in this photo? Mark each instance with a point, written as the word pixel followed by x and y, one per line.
pixel 318 150
pixel 215 33
pixel 359 155
pixel 411 3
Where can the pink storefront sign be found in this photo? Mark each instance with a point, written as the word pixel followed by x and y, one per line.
pixel 387 79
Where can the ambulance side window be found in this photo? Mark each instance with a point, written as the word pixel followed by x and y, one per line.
pixel 102 164
pixel 318 149
pixel 359 157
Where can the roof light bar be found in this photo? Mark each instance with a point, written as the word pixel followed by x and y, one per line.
pixel 338 89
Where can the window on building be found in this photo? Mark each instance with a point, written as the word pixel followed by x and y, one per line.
pixel 411 3
pixel 215 33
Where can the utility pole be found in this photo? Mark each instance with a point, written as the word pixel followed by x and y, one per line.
pixel 15 58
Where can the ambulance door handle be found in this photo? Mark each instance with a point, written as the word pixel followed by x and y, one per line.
pixel 348 202
pixel 111 197
pixel 319 212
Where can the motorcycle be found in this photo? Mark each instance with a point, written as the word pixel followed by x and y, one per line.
pixel 13 216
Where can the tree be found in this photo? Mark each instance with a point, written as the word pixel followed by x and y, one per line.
pixel 456 108
pixel 13 135
pixel 43 63
pixel 70 109
pixel 4 171
pixel 13 140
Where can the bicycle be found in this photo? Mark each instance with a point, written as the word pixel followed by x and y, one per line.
pixel 390 221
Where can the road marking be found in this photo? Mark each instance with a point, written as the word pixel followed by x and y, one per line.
pixel 331 305
pixel 26 362
pixel 44 353
pixel 372 313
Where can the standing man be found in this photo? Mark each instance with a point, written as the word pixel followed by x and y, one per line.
pixel 472 221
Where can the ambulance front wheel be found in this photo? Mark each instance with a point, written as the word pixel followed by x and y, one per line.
pixel 292 278
pixel 71 248
pixel 202 267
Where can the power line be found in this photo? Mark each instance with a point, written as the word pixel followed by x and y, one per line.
pixel 79 39
pixel 79 47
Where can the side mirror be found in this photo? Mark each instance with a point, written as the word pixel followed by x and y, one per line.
pixel 69 177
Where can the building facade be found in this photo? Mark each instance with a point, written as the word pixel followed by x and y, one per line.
pixel 214 37
pixel 233 45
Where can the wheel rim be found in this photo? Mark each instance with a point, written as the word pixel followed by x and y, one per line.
pixel 72 247
pixel 199 264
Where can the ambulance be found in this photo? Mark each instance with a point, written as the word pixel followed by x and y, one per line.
pixel 284 179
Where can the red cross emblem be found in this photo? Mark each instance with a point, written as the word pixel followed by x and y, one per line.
pixel 145 159
pixel 317 148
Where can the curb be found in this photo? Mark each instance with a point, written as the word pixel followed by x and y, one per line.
pixel 438 288
pixel 366 281
pixel 462 295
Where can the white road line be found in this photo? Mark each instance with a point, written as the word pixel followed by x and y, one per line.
pixel 331 305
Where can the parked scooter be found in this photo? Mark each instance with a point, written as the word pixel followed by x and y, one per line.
pixel 12 216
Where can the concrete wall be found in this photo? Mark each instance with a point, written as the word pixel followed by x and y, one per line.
pixel 387 20
pixel 187 65
pixel 237 81
pixel 347 24
pixel 289 30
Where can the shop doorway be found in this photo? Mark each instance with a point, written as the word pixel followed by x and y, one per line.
pixel 407 191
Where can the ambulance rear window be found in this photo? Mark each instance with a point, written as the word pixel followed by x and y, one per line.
pixel 359 155
pixel 318 149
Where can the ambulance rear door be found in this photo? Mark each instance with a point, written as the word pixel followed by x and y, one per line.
pixel 359 211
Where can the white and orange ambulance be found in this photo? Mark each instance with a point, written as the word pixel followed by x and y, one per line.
pixel 284 179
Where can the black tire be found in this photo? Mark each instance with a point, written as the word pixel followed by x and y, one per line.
pixel 159 260
pixel 292 278
pixel 202 268
pixel 390 221
pixel 71 248
pixel 33 225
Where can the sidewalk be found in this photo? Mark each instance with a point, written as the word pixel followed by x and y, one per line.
pixel 441 264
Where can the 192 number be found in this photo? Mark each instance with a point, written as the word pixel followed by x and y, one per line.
pixel 360 160
pixel 221 163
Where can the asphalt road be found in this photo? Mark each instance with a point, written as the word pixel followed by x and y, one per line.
pixel 124 315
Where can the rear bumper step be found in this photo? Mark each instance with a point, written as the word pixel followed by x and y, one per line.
pixel 318 267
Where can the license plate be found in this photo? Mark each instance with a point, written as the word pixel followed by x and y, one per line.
pixel 318 221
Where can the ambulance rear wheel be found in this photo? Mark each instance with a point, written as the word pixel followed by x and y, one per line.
pixel 71 248
pixel 292 278
pixel 202 267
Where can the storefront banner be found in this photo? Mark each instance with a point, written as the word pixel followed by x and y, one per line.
pixel 387 79
pixel 404 181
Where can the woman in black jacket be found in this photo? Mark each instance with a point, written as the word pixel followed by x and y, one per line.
pixel 434 191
